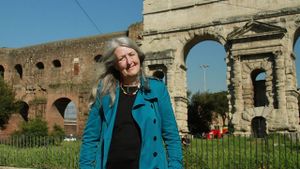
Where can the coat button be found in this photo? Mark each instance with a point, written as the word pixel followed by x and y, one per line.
pixel 154 138
pixel 154 154
pixel 154 121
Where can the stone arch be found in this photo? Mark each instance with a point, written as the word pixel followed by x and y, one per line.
pixel 40 66
pixel 159 74
pixel 61 104
pixel 159 71
pixel 23 109
pixel 296 36
pixel 164 44
pixel 97 58
pixel 70 119
pixel 196 38
pixel 259 126
pixel 19 70
pixel 188 40
pixel 250 70
pixel 56 63
pixel 295 59
pixel 57 114
pixel 2 71
pixel 259 88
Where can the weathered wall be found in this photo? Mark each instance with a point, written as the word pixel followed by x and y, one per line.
pixel 176 14
pixel 255 34
pixel 265 35
pixel 45 88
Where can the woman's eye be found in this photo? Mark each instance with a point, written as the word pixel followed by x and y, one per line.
pixel 121 59
pixel 131 54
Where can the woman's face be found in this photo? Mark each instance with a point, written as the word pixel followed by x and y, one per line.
pixel 128 62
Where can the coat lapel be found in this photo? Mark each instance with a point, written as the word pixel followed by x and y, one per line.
pixel 142 98
pixel 107 108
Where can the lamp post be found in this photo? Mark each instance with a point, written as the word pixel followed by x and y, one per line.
pixel 204 67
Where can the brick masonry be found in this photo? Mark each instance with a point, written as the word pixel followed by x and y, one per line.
pixel 47 76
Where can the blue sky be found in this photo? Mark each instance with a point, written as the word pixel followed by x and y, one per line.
pixel 29 22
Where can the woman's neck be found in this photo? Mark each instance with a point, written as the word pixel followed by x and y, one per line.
pixel 131 81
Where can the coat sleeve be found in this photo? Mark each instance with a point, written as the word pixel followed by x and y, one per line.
pixel 169 130
pixel 91 138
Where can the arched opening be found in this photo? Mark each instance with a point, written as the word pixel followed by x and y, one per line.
pixel 297 63
pixel 56 63
pixel 19 70
pixel 70 119
pixel 159 74
pixel 40 66
pixel 97 58
pixel 297 53
pixel 65 114
pixel 206 67
pixel 23 109
pixel 159 71
pixel 259 126
pixel 1 71
pixel 258 77
pixel 206 75
pixel 61 105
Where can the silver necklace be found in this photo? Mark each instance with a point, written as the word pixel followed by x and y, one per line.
pixel 128 89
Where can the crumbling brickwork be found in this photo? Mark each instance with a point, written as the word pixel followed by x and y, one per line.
pixel 257 39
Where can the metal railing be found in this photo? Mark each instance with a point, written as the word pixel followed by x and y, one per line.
pixel 278 151
pixel 39 152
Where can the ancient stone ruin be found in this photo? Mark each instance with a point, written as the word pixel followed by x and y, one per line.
pixel 258 36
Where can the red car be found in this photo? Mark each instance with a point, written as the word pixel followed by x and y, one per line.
pixel 216 133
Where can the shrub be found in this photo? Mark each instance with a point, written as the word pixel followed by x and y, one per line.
pixel 35 127
pixel 57 134
pixel 32 134
pixel 7 103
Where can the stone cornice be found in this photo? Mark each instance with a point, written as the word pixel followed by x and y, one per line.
pixel 256 50
pixel 180 98
pixel 188 5
pixel 230 20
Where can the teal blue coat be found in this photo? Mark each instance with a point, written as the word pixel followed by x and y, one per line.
pixel 152 110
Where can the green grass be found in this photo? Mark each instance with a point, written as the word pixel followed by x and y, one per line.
pixel 64 156
pixel 231 152
pixel 243 153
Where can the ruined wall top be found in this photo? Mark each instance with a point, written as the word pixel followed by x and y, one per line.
pixel 177 14
pixel 71 42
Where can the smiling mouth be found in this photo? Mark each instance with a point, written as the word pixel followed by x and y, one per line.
pixel 131 67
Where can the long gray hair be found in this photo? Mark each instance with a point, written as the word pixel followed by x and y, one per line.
pixel 110 77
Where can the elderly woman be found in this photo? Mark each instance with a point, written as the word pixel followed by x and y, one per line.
pixel 131 122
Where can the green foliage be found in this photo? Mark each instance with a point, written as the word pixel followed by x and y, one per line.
pixel 57 134
pixel 35 127
pixel 38 129
pixel 191 160
pixel 272 152
pixel 57 131
pixel 63 156
pixel 200 110
pixel 7 105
